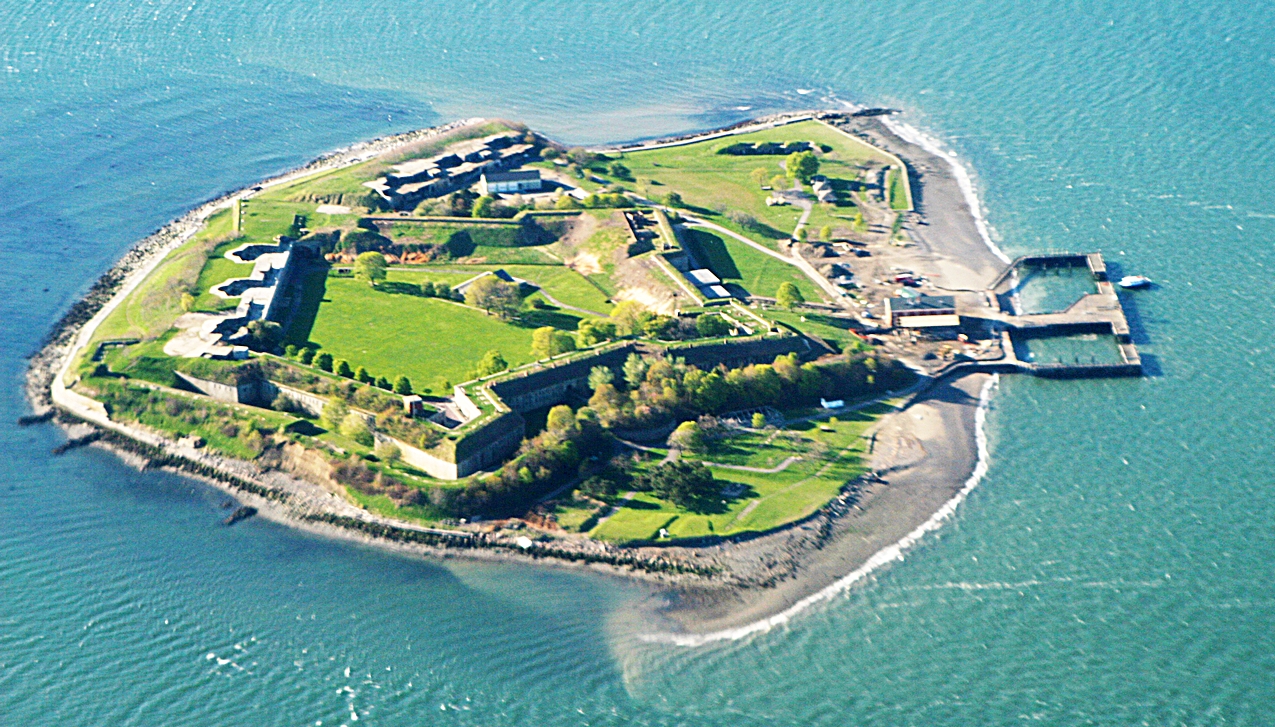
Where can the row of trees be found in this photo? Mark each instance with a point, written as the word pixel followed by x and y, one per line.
pixel 324 361
pixel 654 389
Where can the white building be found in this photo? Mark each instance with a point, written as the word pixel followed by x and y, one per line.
pixel 493 183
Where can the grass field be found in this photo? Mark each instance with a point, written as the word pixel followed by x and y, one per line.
pixel 833 330
pixel 156 302
pixel 424 339
pixel 714 183
pixel 755 271
pixel 561 282
pixel 759 501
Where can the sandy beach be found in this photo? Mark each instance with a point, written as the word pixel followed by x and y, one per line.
pixel 925 453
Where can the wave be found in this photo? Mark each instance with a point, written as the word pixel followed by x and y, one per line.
pixel 911 134
pixel 886 555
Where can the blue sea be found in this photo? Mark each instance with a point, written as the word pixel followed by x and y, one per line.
pixel 1114 567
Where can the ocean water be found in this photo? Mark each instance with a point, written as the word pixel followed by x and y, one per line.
pixel 1113 567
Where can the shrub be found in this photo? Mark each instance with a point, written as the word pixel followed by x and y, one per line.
pixel 306 356
pixel 355 427
pixel 334 413
pixel 712 326
pixel 388 452
pixel 290 351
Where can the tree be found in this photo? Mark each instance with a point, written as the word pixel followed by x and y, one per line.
pixel 355 427
pixel 800 235
pixel 403 385
pixel 333 414
pixel 494 296
pixel 629 316
pixel 759 176
pixel 264 335
pixel 427 289
pixel 484 206
pixel 369 267
pixel 635 368
pixel 803 165
pixel 548 341
pixel 324 361
pixel 561 420
pixel 567 202
pixel 711 326
pixel 290 350
pixel 619 171
pixel 599 375
pixel 384 383
pixel 687 437
pixel 362 375
pixel 594 330
pixel 825 233
pixel 779 181
pixel 343 369
pixel 673 199
pixel 759 420
pixel 306 356
pixel 491 363
pixel 689 485
pixel 788 296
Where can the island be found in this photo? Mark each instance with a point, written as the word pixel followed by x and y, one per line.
pixel 748 364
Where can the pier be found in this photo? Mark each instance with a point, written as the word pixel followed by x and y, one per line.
pixel 1100 313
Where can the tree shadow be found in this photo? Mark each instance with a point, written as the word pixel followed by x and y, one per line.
pixel 541 317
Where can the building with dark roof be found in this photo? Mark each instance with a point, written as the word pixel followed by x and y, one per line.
pixel 526 180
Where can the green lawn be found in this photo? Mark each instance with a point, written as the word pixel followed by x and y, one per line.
pixel 831 329
pixel 424 339
pixel 780 498
pixel 736 262
pixel 156 302
pixel 713 183
pixel 561 282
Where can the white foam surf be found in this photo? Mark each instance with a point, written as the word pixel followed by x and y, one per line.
pixel 882 557
pixel 911 134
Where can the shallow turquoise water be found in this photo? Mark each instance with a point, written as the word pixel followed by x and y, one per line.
pixel 1113 568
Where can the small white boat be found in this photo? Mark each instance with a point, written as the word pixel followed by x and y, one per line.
pixel 1135 281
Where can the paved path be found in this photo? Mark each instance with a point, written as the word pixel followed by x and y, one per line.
pixel 615 508
pixel 759 470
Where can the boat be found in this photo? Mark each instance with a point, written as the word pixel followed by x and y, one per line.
pixel 1135 281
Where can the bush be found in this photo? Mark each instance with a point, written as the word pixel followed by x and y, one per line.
pixel 334 413
pixel 388 452
pixel 712 326
pixel 306 356
pixel 355 427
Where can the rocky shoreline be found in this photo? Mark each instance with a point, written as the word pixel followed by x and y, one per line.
pixel 710 587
